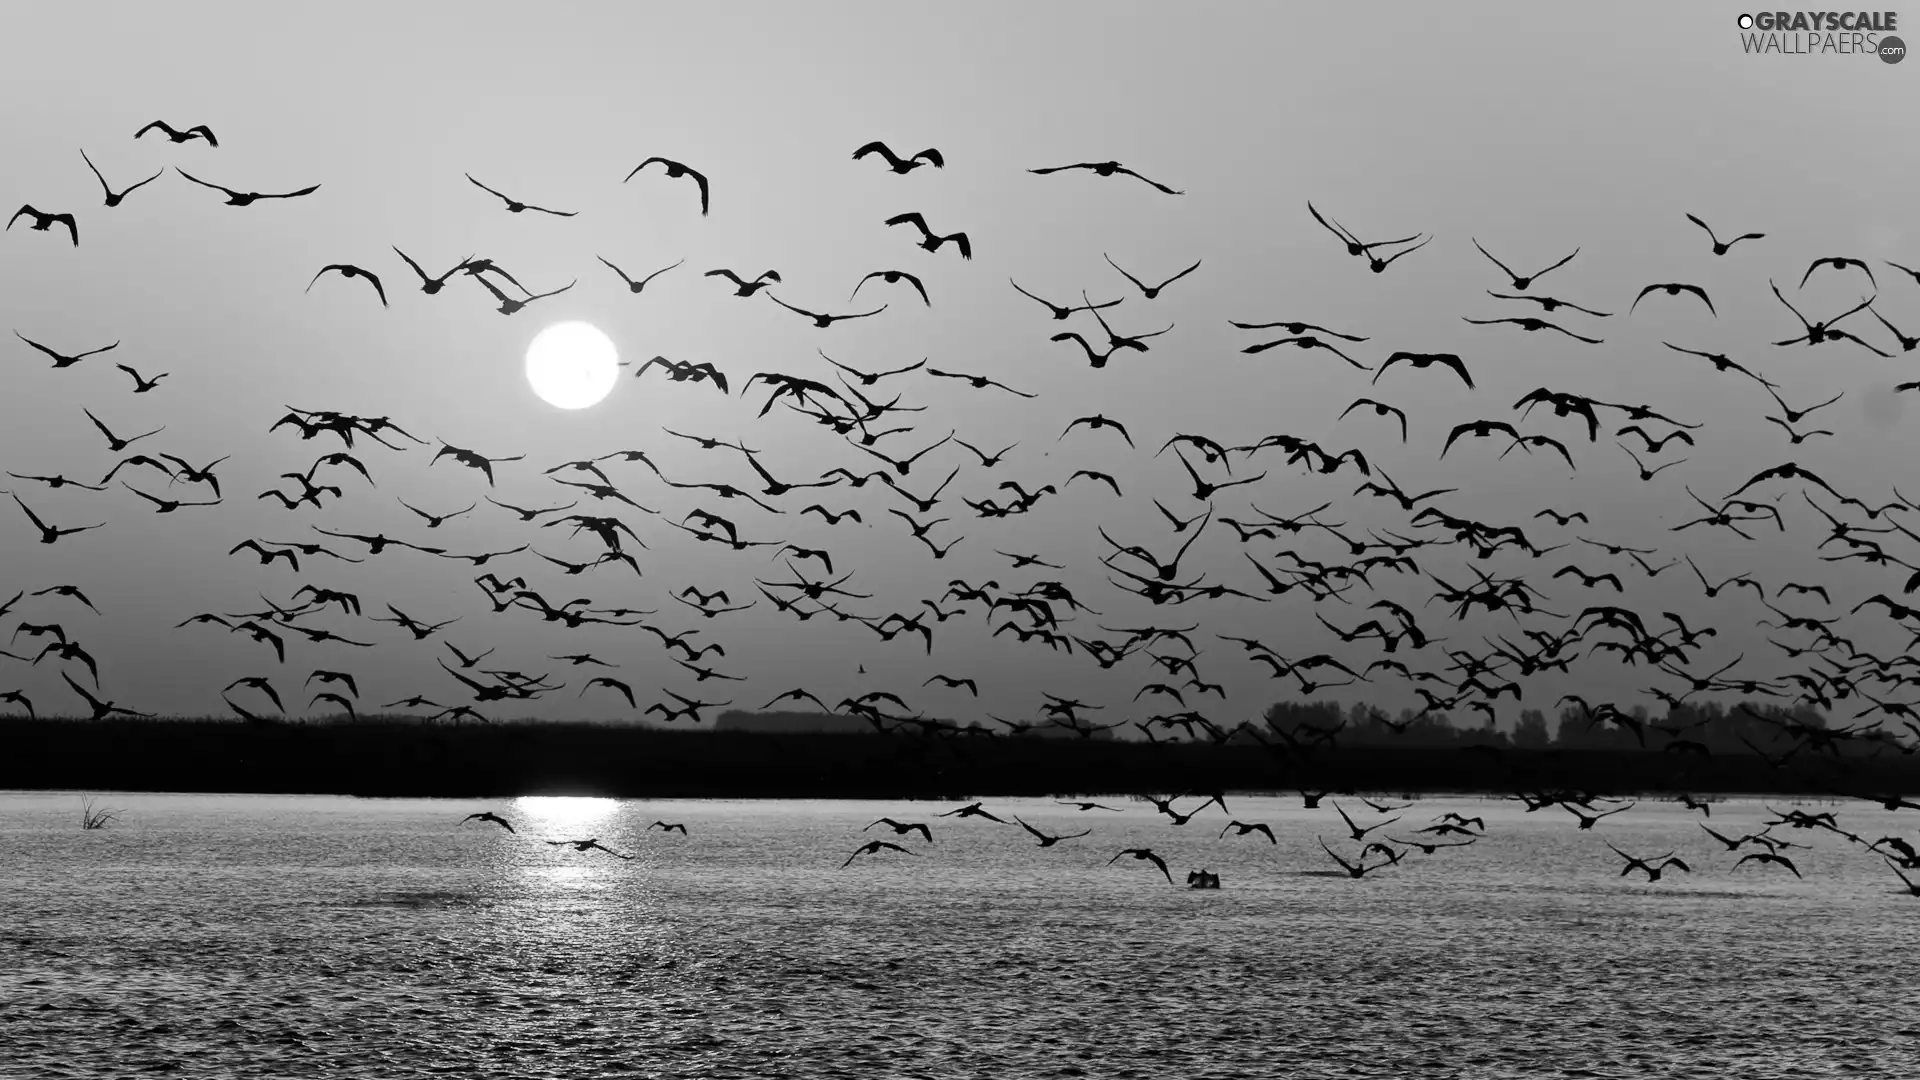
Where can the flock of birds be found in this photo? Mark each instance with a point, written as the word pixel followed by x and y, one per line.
pixel 1819 664
pixel 1374 847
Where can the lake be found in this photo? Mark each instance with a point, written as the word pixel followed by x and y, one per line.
pixel 292 936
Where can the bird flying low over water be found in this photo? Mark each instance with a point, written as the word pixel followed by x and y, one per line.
pixel 1145 855
pixel 873 847
pixel 495 819
pixel 588 845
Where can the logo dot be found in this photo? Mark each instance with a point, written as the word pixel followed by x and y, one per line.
pixel 1892 50
pixel 1746 22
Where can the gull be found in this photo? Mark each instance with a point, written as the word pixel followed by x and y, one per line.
pixel 141 384
pixel 902 828
pixel 1245 827
pixel 588 845
pixel 114 197
pixel 873 847
pixel 634 286
pixel 44 221
pixel 431 285
pixel 675 170
pixel 514 205
pixel 487 816
pixel 1144 855
pixel 1652 867
pixel 49 535
pixel 972 810
pixel 61 360
pixel 928 240
pixel 1520 282
pixel 1149 291
pixel 198 131
pixel 350 271
pixel 1768 857
pixel 668 827
pixel 1718 247
pixel 246 198
pixel 1046 840
pixel 899 164
pixel 1105 168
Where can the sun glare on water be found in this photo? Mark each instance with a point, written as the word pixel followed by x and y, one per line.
pixel 572 365
pixel 562 813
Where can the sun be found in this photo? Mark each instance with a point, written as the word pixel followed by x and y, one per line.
pixel 572 365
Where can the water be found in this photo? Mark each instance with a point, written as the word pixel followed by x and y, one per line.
pixel 244 936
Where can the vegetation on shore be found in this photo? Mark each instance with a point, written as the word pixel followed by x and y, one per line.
pixel 1317 747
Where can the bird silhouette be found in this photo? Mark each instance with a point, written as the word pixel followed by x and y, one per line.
pixel 490 816
pixel 929 240
pixel 899 164
pixel 246 198
pixel 198 131
pixel 1521 282
pixel 1106 168
pixel 348 270
pixel 674 171
pixel 114 198
pixel 516 206
pixel 44 221
pixel 1722 248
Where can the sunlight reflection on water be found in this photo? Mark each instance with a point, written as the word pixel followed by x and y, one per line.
pixel 294 937
pixel 564 812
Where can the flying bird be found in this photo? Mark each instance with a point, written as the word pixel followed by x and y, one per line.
pixel 1045 839
pixel 44 221
pixel 893 277
pixel 246 198
pixel 1674 289
pixel 675 170
pixel 491 817
pixel 1105 168
pixel 1426 360
pixel 1149 291
pixel 1379 409
pixel 198 131
pixel 61 360
pixel 516 206
pixel 873 847
pixel 899 164
pixel 930 241
pixel 114 197
pixel 634 286
pixel 1718 247
pixel 142 384
pixel 350 271
pixel 1520 282
pixel 1144 855
pixel 1838 263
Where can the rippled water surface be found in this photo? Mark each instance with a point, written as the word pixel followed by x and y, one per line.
pixel 286 937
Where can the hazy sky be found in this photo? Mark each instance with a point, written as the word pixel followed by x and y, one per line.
pixel 1534 128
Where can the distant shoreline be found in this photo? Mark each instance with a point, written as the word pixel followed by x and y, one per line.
pixel 409 759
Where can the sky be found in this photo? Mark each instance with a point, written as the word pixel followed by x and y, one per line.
pixel 1533 129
